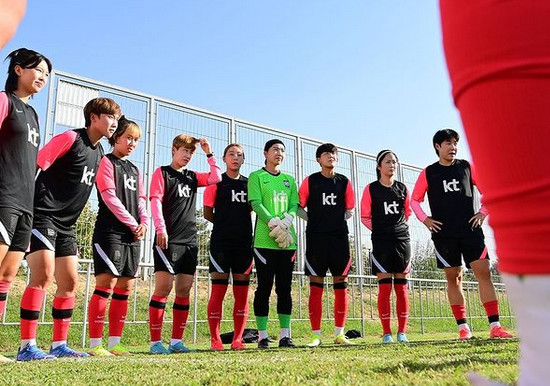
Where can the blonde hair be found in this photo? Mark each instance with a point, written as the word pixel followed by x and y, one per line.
pixel 186 141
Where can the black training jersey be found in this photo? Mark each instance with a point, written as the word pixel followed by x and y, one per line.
pixel 67 177
pixel 232 220
pixel 451 197
pixel 126 180
pixel 389 211
pixel 19 141
pixel 326 200
pixel 179 196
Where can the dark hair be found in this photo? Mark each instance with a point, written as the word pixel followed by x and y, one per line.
pixel 379 159
pixel 23 58
pixel 230 146
pixel 123 126
pixel 99 106
pixel 443 135
pixel 272 142
pixel 326 147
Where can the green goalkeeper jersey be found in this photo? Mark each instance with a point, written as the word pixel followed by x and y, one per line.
pixel 271 195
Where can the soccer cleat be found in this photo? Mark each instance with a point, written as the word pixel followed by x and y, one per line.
pixel 32 353
pixel 343 340
pixel 315 342
pixel 264 343
pixel 179 348
pixel 500 333
pixel 100 351
pixel 119 350
pixel 3 360
pixel 64 351
pixel 158 349
pixel 216 345
pixel 387 338
pixel 464 334
pixel 402 338
pixel 286 342
pixel 238 345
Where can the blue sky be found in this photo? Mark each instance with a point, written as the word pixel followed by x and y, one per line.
pixel 362 74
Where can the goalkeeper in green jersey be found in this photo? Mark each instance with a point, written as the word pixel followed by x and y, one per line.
pixel 274 198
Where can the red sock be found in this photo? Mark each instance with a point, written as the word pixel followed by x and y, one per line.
pixel 340 304
pixel 384 306
pixel 491 308
pixel 156 317
pixel 62 311
pixel 117 311
pixel 4 288
pixel 240 309
pixel 459 312
pixel 401 303
pixel 214 310
pixel 180 315
pixel 31 302
pixel 315 305
pixel 96 311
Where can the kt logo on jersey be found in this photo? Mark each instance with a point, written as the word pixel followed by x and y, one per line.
pixel 238 196
pixel 451 186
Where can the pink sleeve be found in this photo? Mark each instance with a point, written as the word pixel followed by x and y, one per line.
pixel 213 176
pixel 350 197
pixel 142 203
pixel 4 107
pixel 56 148
pixel 156 194
pixel 419 191
pixel 303 192
pixel 407 204
pixel 366 211
pixel 209 197
pixel 106 186
pixel 482 209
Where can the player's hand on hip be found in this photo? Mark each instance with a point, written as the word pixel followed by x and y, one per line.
pixel 477 220
pixel 433 225
pixel 162 240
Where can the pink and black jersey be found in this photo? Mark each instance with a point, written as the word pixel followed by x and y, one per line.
pixel 173 197
pixel 232 220
pixel 121 196
pixel 19 141
pixel 388 209
pixel 327 200
pixel 68 166
pixel 451 196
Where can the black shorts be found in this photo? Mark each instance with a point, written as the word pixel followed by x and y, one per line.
pixel 234 259
pixel 116 255
pixel 391 256
pixel 327 251
pixel 178 258
pixel 450 251
pixel 45 235
pixel 15 229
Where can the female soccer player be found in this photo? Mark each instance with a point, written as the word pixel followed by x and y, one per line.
pixel 68 165
pixel 120 226
pixel 385 210
pixel 28 73
pixel 226 206
pixel 499 62
pixel 274 198
pixel 173 198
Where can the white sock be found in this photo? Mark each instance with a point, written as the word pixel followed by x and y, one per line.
pixel 174 342
pixel 31 342
pixel 317 332
pixel 262 334
pixel 285 333
pixel 94 342
pixel 155 342
pixel 113 341
pixel 338 331
pixel 463 326
pixel 494 324
pixel 58 343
